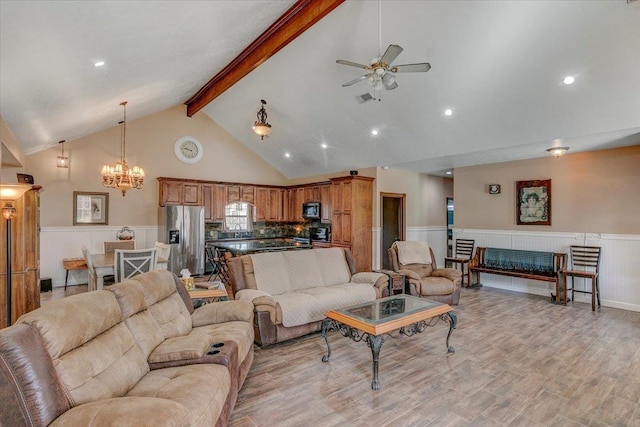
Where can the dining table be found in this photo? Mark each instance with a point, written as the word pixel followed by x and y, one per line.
pixel 104 266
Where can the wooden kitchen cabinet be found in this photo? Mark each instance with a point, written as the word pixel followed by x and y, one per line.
pixel 25 257
pixel 325 203
pixel 269 204
pixel 312 193
pixel 175 192
pixel 296 199
pixel 352 217
pixel 214 199
pixel 240 193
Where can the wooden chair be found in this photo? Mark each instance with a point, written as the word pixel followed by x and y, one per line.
pixel 163 252
pixel 463 254
pixel 110 247
pixel 129 263
pixel 93 285
pixel 585 263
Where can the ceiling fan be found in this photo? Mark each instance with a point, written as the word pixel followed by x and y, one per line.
pixel 381 71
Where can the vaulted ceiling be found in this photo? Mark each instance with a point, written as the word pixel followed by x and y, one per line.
pixel 498 65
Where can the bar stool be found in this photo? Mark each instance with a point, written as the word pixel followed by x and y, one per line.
pixel 588 259
pixel 464 252
pixel 219 264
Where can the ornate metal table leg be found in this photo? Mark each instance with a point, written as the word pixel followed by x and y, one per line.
pixel 453 322
pixel 325 326
pixel 375 343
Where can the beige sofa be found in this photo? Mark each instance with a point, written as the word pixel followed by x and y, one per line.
pixel 292 290
pixel 134 354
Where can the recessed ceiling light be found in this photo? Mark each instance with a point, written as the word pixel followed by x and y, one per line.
pixel 324 145
pixel 449 172
pixel 448 112
pixel 374 132
pixel 385 167
pixel 99 64
pixel 568 80
pixel 287 155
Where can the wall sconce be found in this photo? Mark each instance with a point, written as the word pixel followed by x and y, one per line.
pixel 8 194
pixel 261 127
pixel 557 151
pixel 63 162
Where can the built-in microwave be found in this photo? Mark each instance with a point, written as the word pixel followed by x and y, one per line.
pixel 311 210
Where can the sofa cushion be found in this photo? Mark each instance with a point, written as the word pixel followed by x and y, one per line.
pixel 436 286
pixel 201 388
pixel 93 352
pixel 125 411
pixel 310 305
pixel 413 252
pixel 277 273
pixel 164 303
pixel 143 326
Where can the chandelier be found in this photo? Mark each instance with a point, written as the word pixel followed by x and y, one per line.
pixel 121 176
pixel 261 127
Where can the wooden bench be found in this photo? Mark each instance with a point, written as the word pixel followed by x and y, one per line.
pixel 524 264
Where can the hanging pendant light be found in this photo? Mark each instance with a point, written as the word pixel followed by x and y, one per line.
pixel 121 176
pixel 62 161
pixel 557 151
pixel 261 127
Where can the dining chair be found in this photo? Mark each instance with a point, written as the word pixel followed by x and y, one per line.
pixel 163 252
pixel 585 264
pixel 92 286
pixel 129 263
pixel 109 247
pixel 463 254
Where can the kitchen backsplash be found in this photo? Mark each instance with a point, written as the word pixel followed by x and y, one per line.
pixel 261 230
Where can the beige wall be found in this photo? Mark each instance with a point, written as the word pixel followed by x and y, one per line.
pixel 425 196
pixel 596 192
pixel 11 154
pixel 150 142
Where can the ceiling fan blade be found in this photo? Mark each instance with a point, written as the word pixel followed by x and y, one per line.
pixel 423 67
pixel 353 64
pixel 389 81
pixel 391 54
pixel 354 81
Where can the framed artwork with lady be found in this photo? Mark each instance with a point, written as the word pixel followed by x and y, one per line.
pixel 533 202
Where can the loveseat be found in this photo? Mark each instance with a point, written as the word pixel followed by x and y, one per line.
pixel 292 290
pixel 415 259
pixel 133 354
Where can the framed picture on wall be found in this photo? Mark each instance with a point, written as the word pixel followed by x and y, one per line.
pixel 533 202
pixel 90 208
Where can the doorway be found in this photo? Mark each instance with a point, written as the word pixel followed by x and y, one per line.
pixel 392 219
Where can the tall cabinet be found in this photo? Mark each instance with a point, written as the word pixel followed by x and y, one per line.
pixel 352 217
pixel 25 257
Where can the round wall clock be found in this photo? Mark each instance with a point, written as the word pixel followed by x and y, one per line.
pixel 188 150
pixel 494 188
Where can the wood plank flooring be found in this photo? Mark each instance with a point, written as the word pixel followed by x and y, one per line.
pixel 519 361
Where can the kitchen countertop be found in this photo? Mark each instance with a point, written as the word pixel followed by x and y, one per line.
pixel 241 247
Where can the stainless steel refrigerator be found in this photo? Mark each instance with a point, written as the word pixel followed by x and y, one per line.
pixel 183 228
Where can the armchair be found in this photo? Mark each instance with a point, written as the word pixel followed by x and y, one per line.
pixel 416 261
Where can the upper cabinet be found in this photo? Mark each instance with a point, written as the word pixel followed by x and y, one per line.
pixel 178 192
pixel 215 199
pixel 240 193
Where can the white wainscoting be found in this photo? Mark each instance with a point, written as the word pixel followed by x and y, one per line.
pixel 619 265
pixel 436 237
pixel 57 243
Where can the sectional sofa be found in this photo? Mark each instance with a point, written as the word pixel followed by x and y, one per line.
pixel 134 354
pixel 292 290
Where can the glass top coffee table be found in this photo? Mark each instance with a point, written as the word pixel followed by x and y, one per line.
pixel 370 321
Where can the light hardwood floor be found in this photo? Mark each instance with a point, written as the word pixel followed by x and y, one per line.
pixel 519 361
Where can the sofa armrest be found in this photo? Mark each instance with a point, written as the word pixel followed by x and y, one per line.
pixel 223 311
pixel 411 275
pixel 450 273
pixel 261 301
pixel 379 281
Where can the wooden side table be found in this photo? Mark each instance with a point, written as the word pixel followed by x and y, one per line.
pixel 396 281
pixel 72 264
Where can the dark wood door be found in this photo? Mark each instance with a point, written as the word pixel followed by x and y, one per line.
pixel 392 220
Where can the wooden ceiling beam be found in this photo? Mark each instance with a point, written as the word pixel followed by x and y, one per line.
pixel 295 21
